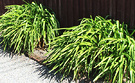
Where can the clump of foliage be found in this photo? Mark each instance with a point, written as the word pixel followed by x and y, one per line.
pixel 101 47
pixel 23 27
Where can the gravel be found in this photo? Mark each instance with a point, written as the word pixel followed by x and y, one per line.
pixel 21 69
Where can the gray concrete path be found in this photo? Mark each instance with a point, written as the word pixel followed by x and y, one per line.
pixel 21 69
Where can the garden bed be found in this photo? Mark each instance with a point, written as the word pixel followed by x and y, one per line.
pixel 97 45
pixel 38 55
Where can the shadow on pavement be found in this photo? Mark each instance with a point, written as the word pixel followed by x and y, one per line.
pixel 44 73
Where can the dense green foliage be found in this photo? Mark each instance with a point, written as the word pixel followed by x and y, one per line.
pixel 24 26
pixel 100 47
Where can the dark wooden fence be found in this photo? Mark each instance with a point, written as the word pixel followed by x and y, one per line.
pixel 69 11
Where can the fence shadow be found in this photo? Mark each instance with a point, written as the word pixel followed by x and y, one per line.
pixel 45 74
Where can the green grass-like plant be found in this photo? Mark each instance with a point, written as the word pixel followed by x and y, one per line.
pixel 23 27
pixel 101 47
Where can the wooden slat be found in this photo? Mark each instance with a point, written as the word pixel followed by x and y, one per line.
pixel 123 10
pixel 1 7
pixel 69 12
pixel 107 7
pixel 59 12
pixel 49 3
pixel 95 6
pixel 111 8
pixel 98 7
pixel 114 9
pixel 75 12
pixel 127 11
pixel 44 2
pixel 81 9
pixel 88 8
pixel 54 6
pixel 64 13
pixel 132 15
pixel 119 9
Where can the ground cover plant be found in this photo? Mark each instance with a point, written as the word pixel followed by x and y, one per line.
pixel 101 47
pixel 24 27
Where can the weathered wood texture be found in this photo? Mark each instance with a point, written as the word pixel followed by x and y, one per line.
pixel 69 12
